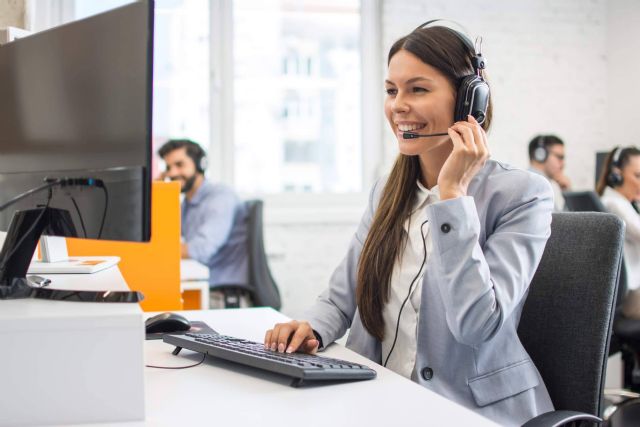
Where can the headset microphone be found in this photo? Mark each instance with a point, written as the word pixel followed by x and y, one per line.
pixel 410 135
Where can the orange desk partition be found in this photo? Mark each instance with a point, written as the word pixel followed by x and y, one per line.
pixel 154 267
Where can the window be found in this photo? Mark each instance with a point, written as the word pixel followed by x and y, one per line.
pixel 296 89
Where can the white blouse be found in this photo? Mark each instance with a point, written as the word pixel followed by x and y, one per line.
pixel 617 204
pixel 403 358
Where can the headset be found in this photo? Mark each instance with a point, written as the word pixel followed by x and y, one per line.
pixel 199 157
pixel 540 152
pixel 473 93
pixel 614 179
pixel 193 150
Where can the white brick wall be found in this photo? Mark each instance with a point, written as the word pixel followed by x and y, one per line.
pixel 546 62
pixel 302 259
pixel 565 67
pixel 623 47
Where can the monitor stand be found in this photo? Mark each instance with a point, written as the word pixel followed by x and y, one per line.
pixel 55 259
pixel 17 251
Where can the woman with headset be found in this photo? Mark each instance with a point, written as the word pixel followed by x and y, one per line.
pixel 619 189
pixel 436 275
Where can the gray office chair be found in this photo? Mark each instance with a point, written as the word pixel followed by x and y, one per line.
pixel 626 332
pixel 567 317
pixel 264 289
pixel 261 287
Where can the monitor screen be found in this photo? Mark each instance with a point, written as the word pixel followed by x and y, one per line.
pixel 75 104
pixel 601 157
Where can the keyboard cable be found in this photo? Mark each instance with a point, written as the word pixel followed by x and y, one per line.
pixel 204 356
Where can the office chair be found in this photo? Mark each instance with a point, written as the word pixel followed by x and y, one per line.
pixel 626 332
pixel 264 289
pixel 567 317
pixel 261 287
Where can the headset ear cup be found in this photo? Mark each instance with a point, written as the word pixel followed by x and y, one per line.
pixel 203 164
pixel 473 98
pixel 614 179
pixel 540 154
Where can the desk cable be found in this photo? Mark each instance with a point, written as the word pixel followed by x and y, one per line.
pixel 204 356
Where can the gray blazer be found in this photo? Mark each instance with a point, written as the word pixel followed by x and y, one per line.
pixel 474 287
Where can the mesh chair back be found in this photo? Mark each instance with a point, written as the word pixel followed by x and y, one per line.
pixel 566 320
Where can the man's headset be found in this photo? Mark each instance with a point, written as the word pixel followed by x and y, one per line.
pixel 614 179
pixel 473 93
pixel 199 157
pixel 540 152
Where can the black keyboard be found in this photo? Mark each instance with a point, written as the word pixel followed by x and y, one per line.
pixel 302 367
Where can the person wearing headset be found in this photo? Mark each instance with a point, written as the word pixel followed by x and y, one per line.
pixel 619 188
pixel 546 157
pixel 436 275
pixel 213 225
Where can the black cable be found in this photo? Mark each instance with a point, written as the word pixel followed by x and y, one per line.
pixel 28 232
pixel 106 204
pixel 50 183
pixel 84 230
pixel 204 356
pixel 19 197
pixel 424 260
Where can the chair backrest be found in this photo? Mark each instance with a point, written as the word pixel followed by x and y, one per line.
pixel 566 320
pixel 589 201
pixel 265 291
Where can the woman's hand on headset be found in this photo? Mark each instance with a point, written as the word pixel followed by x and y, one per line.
pixel 290 337
pixel 470 152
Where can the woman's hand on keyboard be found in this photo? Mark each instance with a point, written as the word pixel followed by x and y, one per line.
pixel 292 336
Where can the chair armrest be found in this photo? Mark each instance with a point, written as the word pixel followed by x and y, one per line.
pixel 621 393
pixel 560 418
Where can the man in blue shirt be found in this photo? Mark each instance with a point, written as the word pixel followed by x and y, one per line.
pixel 214 226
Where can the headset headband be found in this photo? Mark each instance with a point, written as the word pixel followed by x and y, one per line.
pixel 463 33
pixel 615 159
pixel 478 60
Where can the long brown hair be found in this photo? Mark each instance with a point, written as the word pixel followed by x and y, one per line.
pixel 622 161
pixel 450 53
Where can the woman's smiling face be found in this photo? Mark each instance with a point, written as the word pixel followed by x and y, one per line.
pixel 419 99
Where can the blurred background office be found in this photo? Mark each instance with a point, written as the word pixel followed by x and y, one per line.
pixel 286 96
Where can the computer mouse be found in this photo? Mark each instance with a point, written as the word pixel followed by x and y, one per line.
pixel 167 322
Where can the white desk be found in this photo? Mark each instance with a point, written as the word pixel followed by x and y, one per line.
pixel 225 394
pixel 64 362
pixel 195 276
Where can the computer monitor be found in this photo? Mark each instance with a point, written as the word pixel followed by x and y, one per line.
pixel 75 135
pixel 601 157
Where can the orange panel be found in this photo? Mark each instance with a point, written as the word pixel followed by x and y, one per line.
pixel 152 268
pixel 191 299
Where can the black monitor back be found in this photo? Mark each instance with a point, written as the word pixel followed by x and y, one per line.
pixel 601 156
pixel 75 101
pixel 583 201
